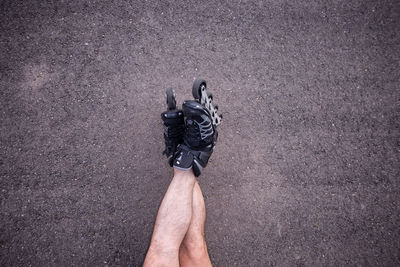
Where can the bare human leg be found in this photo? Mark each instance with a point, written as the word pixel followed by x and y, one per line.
pixel 193 250
pixel 173 220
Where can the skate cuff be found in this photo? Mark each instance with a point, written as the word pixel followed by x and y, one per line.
pixel 184 159
pixel 183 169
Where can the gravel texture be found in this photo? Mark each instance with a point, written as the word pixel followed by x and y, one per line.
pixel 306 170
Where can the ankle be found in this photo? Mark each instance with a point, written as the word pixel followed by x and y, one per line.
pixel 183 173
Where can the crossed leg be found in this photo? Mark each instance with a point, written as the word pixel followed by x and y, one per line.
pixel 193 250
pixel 178 236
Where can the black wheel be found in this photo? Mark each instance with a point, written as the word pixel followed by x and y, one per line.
pixel 171 102
pixel 210 96
pixel 196 89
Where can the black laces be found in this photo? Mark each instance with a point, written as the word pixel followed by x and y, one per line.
pixel 175 132
pixel 192 131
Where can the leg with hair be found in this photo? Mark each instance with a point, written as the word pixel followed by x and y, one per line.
pixel 173 220
pixel 193 250
pixel 190 135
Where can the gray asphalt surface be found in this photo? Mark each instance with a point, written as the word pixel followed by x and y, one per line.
pixel 306 171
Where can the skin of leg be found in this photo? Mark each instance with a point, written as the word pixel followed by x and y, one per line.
pixel 193 250
pixel 173 220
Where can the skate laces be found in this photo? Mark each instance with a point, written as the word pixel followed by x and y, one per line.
pixel 173 136
pixel 192 133
pixel 175 131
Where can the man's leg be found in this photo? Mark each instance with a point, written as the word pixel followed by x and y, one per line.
pixel 193 250
pixel 173 220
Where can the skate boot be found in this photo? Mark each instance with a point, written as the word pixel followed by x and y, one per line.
pixel 173 127
pixel 200 136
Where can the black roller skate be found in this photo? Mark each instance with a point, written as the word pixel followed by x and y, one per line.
pixel 201 120
pixel 173 126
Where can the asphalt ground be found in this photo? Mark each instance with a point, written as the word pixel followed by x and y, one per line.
pixel 306 169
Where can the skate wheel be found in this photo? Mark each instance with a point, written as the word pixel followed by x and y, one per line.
pixel 198 85
pixel 171 102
